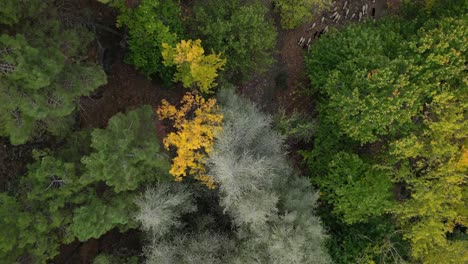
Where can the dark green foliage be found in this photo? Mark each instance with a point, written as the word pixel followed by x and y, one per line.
pixel 240 30
pixel 115 258
pixel 24 233
pixel 376 240
pixel 296 126
pixel 62 199
pixel 12 11
pixel 42 76
pixel 127 152
pixel 150 25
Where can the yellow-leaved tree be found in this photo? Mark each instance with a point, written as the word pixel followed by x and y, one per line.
pixel 196 123
pixel 193 67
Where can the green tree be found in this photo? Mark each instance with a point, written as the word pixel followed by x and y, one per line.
pixel 150 25
pixel 42 76
pixel 61 199
pixel 240 30
pixel 430 164
pixel 12 11
pixel 100 215
pixel 297 12
pixel 356 189
pixel 394 101
pixel 126 152
pixel 25 233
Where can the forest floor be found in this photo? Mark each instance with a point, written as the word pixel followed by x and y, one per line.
pixel 282 86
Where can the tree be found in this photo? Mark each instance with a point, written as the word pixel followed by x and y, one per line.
pixel 261 211
pixel 297 12
pixel 273 208
pixel 193 67
pixel 429 165
pixel 161 207
pixel 11 11
pixel 24 233
pixel 150 25
pixel 42 77
pixel 240 30
pixel 127 152
pixel 101 214
pixel 196 123
pixel 72 193
pixel 393 103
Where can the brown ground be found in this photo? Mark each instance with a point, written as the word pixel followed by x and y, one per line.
pixel 126 89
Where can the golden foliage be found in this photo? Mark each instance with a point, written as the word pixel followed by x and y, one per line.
pixel 193 67
pixel 196 121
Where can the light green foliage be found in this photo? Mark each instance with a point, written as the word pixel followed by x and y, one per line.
pixel 436 178
pixel 127 152
pixel 12 11
pixel 41 79
pixel 297 12
pixel 99 216
pixel 239 30
pixel 397 99
pixel 356 189
pixel 367 85
pixel 150 25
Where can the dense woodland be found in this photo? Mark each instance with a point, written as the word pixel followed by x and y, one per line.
pixel 372 168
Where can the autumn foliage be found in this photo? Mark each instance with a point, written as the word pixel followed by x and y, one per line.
pixel 196 121
pixel 193 67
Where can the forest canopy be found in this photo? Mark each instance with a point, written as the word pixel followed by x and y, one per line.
pixel 240 131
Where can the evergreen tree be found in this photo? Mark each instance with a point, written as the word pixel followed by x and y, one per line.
pixel 42 77
pixel 12 11
pixel 126 152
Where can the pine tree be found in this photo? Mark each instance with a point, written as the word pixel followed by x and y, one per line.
pixel 42 77
pixel 126 152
